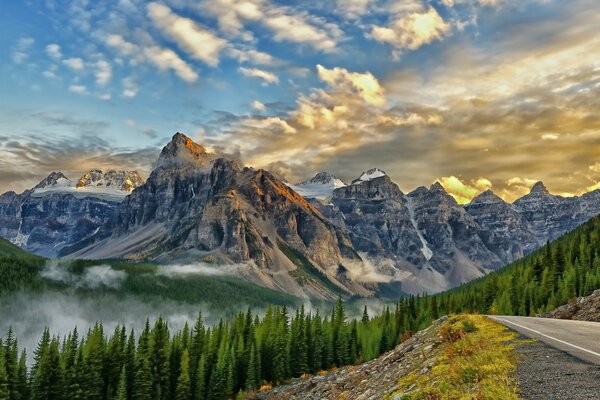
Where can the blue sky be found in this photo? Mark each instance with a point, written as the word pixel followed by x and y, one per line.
pixel 475 93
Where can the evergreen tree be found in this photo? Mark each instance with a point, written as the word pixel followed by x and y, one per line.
pixel 183 390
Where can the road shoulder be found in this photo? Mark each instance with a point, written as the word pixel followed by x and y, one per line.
pixel 544 373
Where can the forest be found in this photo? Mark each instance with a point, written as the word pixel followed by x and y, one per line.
pixel 251 352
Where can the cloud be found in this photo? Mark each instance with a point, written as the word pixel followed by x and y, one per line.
pixel 79 89
pixel 76 64
pixel 251 56
pixel 103 72
pixel 353 8
pixel 21 49
pixel 364 83
pixel 266 76
pixel 287 24
pixel 413 30
pixel 200 268
pixel 160 57
pixel 39 153
pixel 130 87
pixel 166 59
pixel 53 51
pixel 463 192
pixel 198 42
pixel 595 167
pixel 257 105
pixel 93 277
pixel 550 136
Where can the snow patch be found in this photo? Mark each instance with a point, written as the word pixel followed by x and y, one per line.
pixel 427 252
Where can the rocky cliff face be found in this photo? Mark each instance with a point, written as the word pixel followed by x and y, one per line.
pixel 197 205
pixel 548 215
pixel 55 213
pixel 503 230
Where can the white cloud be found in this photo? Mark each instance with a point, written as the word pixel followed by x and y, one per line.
pixel 413 30
pixel 257 105
pixel 364 83
pixel 79 89
pixel 353 8
pixel 287 24
pixel 199 43
pixel 53 50
pixel 550 136
pixel 103 72
pixel 167 59
pixel 251 56
pixel 162 58
pixel 21 49
pixel 266 76
pixel 105 96
pixel 76 64
pixel 130 88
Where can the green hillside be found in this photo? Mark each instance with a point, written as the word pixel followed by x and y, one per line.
pixel 549 277
pixel 7 249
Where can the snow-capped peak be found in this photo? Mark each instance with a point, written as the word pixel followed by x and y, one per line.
pixel 112 185
pixel 52 180
pixel 320 186
pixel 369 175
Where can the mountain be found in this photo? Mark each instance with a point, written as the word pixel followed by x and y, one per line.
pixel 503 230
pixel 320 186
pixel 319 237
pixel 58 212
pixel 196 205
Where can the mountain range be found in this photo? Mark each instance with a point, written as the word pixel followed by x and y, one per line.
pixel 320 238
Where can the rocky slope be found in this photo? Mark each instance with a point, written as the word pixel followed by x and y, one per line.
pixel 372 380
pixel 58 212
pixel 583 309
pixel 196 205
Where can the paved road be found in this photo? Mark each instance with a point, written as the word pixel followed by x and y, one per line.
pixel 578 338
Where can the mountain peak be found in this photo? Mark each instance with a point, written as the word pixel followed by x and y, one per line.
pixel 539 188
pixel 437 187
pixel 486 197
pixel 322 178
pixel 51 180
pixel 371 174
pixel 181 150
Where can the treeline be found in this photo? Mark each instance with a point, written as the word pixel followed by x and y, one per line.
pixel 546 279
pixel 199 362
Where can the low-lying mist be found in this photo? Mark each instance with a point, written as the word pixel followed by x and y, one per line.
pixel 111 295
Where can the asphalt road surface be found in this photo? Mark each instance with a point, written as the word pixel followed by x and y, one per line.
pixel 578 338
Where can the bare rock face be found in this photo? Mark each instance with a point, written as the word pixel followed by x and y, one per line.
pixel 548 215
pixel 196 202
pixel 502 229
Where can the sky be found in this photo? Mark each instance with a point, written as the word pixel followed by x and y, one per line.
pixel 475 94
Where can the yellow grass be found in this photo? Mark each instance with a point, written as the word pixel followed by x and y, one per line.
pixel 475 361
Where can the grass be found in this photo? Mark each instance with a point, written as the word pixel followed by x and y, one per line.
pixel 475 361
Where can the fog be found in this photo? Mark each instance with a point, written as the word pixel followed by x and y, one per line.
pixel 83 302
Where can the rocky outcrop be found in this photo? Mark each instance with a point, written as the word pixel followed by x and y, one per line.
pixel 583 309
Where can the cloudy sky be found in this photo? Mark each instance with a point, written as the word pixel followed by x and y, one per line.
pixel 477 94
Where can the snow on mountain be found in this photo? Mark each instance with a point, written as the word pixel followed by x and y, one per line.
pixel 112 185
pixel 369 175
pixel 320 186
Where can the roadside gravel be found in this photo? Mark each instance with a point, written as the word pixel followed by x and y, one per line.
pixel 544 373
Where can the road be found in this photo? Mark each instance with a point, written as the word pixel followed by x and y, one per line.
pixel 578 338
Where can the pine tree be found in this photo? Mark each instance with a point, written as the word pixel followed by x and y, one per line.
pixel 4 392
pixel 365 316
pixel 201 379
pixel 122 387
pixel 23 382
pixel 183 390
